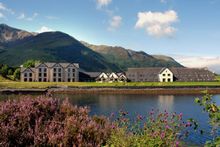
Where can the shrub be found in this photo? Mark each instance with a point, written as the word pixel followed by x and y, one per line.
pixel 49 122
pixel 158 129
pixel 213 110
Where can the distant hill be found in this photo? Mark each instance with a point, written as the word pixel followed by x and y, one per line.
pixel 17 46
pixel 125 58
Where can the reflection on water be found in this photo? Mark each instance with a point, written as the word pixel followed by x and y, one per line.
pixel 165 102
pixel 105 104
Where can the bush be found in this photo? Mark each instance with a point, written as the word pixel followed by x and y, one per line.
pixel 159 129
pixel 213 110
pixel 49 122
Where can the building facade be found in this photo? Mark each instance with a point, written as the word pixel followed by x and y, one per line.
pixel 169 74
pixel 51 72
pixel 111 77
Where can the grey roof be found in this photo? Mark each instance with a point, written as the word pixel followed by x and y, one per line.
pixel 93 74
pixel 180 73
pixel 50 64
pixel 192 74
pixel 23 69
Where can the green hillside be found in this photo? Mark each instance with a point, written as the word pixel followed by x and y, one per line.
pixel 125 58
pixel 18 46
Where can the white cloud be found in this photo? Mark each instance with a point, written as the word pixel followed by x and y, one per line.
pixel 163 1
pixel 115 23
pixel 157 24
pixel 44 29
pixel 102 3
pixel 212 62
pixel 22 16
pixel 4 8
pixel 1 15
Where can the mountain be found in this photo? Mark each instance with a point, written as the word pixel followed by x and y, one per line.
pixel 18 46
pixel 8 34
pixel 125 58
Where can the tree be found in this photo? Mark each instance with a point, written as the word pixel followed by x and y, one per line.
pixel 30 63
pixel 4 70
pixel 10 72
pixel 17 74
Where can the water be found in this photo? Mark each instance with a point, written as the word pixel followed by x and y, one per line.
pixel 142 104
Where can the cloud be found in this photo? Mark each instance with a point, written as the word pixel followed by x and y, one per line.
pixel 115 23
pixel 163 1
pixel 212 62
pixel 2 15
pixel 44 29
pixel 52 17
pixel 22 16
pixel 3 8
pixel 102 3
pixel 157 24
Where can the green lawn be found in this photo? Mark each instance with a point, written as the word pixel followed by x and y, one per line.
pixel 218 78
pixel 41 85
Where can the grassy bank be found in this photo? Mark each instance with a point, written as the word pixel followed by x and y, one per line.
pixel 42 85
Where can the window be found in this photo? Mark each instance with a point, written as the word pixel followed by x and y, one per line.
pixel 25 74
pixel 69 80
pixel 168 74
pixel 164 74
pixel 59 74
pixel 39 74
pixel 73 79
pixel 54 80
pixel 59 69
pixel 45 70
pixel 54 74
pixel 73 70
pixel 169 80
pixel 30 74
pixel 30 79
pixel 54 70
pixel 39 79
pixel 25 79
pixel 45 74
pixel 73 74
pixel 69 69
pixel 45 79
pixel 40 70
pixel 59 79
pixel 164 80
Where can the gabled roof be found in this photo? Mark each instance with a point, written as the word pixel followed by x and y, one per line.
pixel 50 64
pixel 23 69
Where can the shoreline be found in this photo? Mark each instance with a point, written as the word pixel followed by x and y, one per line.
pixel 117 90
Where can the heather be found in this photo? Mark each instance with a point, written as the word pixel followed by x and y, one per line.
pixel 158 129
pixel 48 122
pixel 45 121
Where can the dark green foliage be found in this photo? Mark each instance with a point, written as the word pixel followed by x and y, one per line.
pixel 30 63
pixel 4 70
pixel 16 74
pixel 213 110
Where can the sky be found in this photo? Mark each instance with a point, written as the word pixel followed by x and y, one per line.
pixel 187 30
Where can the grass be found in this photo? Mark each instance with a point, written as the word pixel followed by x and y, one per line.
pixel 2 79
pixel 217 78
pixel 42 85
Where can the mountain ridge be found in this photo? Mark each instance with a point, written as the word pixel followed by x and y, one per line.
pixel 17 46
